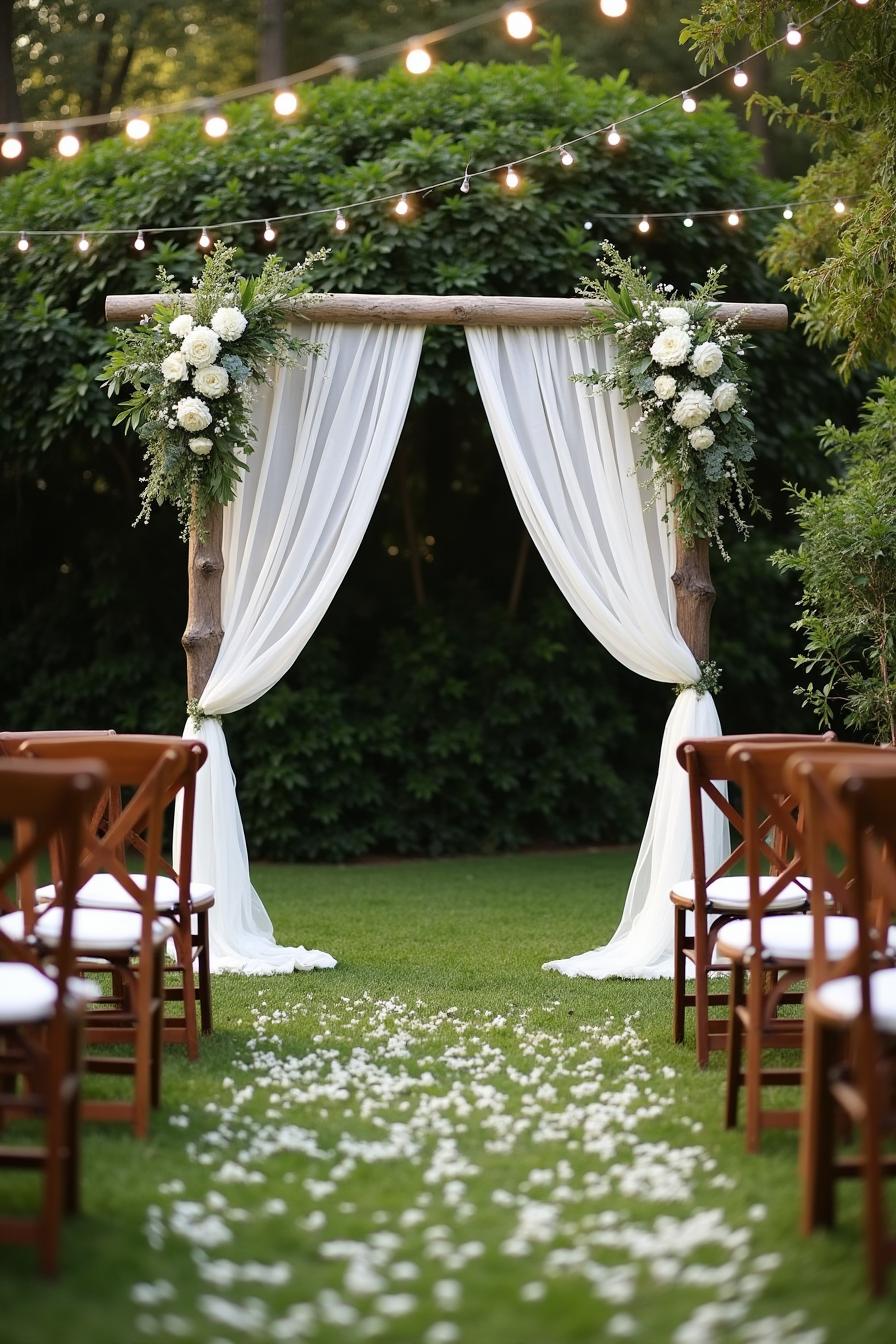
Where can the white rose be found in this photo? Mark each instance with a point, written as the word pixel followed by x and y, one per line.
pixel 201 446
pixel 724 396
pixel 665 386
pixel 674 317
pixel 212 381
pixel 701 438
pixel 671 346
pixel 692 408
pixel 200 347
pixel 181 326
pixel 229 323
pixel 174 367
pixel 193 414
pixel 706 359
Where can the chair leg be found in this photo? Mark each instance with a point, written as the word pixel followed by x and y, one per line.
pixel 203 968
pixel 874 1210
pixel 51 1212
pixel 158 1028
pixel 735 1044
pixel 184 943
pixel 145 1048
pixel 678 1008
pixel 816 1131
pixel 755 1020
pixel 73 1123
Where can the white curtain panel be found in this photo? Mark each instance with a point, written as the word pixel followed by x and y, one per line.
pixel 571 464
pixel 326 434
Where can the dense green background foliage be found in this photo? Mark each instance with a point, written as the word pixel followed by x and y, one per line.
pixel 456 724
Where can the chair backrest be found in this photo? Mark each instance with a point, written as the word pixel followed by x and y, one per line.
pixel 707 762
pixel 11 742
pixel 48 804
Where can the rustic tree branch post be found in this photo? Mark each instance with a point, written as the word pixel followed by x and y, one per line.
pixel 202 637
pixel 694 594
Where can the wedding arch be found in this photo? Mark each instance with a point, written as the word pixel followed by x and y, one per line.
pixel 267 567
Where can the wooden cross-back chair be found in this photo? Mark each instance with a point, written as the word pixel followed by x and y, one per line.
pixel 851 1003
pixel 712 899
pixel 770 956
pixel 128 942
pixel 178 897
pixel 41 1002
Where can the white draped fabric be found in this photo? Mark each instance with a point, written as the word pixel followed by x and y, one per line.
pixel 325 436
pixel 571 465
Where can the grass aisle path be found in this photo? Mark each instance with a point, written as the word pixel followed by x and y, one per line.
pixel 438 1142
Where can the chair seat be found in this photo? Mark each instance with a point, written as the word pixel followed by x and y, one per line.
pixel 93 931
pixel 27 996
pixel 842 999
pixel 733 894
pixel 104 892
pixel 791 938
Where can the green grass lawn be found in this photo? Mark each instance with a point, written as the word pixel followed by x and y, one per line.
pixel 439 1141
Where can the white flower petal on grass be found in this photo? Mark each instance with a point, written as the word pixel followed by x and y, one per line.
pixel 621 1326
pixel 532 1292
pixel 395 1304
pixel 442 1332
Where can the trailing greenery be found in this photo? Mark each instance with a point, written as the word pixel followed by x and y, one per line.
pixel 846 563
pixel 685 370
pixel 219 342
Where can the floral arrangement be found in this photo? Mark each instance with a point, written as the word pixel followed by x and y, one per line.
pixel 193 368
pixel 685 370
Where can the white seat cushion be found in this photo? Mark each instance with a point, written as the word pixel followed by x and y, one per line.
pixel 790 937
pixel 92 930
pixel 842 998
pixel 27 996
pixel 733 893
pixel 104 892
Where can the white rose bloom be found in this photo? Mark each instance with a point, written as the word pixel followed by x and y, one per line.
pixel 201 446
pixel 665 386
pixel 692 408
pixel 701 438
pixel 174 367
pixel 193 414
pixel 674 317
pixel 229 323
pixel 706 359
pixel 671 346
pixel 181 326
pixel 212 381
pixel 200 347
pixel 724 396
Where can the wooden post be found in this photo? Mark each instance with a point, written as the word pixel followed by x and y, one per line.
pixel 694 594
pixel 203 635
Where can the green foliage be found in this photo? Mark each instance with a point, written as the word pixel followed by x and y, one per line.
pixel 843 267
pixel 846 562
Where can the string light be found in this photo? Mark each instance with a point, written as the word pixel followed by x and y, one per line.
pixel 402 208
pixel 588 225
pixel 793 37
pixel 511 179
pixel 83 243
pixel 518 24
pixel 733 219
pixel 270 233
pixel 204 240
pixel 12 146
pixel 688 222
pixel 688 102
pixel 285 103
pixel 23 243
pixel 644 225
pixel 613 9
pixel 613 137
pixel 465 185
pixel 340 223
pixel 839 207
pixel 740 78
pixel 139 241
pixel 68 145
pixel 567 158
pixel 417 61
pixel 137 128
pixel 788 212
pixel 216 125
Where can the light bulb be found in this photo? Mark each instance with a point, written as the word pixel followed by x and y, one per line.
pixel 688 222
pixel 204 240
pixel 465 185
pixel 567 158
pixel 216 125
pixel 588 225
pixel 839 207
pixel 68 145
pixel 340 223
pixel 270 233
pixel 613 9
pixel 285 103
pixel 740 79
pixel 402 207
pixel 23 243
pixel 417 61
pixel 137 128
pixel 733 219
pixel 12 146
pixel 793 36
pixel 788 212
pixel 644 225
pixel 518 24
pixel 861 2
pixel 83 243
pixel 511 179
pixel 613 137
pixel 139 241
pixel 688 102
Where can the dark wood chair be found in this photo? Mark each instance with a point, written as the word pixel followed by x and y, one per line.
pixel 41 1000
